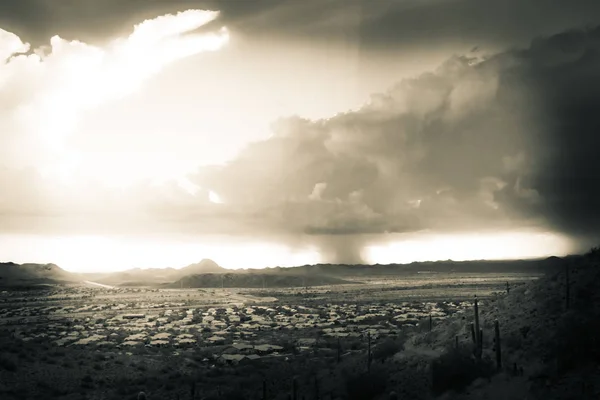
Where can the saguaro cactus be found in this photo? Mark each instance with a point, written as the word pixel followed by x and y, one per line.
pixel 264 390
pixel 476 331
pixel 480 344
pixel 393 396
pixel 497 345
pixel 317 397
pixel 568 287
pixel 294 389
pixel 369 352
pixel 430 323
pixel 476 310
pixel 507 288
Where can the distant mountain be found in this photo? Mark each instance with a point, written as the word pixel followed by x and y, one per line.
pixel 447 266
pixel 207 273
pixel 205 266
pixel 152 276
pixel 12 274
pixel 253 280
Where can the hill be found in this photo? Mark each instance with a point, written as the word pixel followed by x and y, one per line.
pixel 153 276
pixel 205 266
pixel 12 274
pixel 548 339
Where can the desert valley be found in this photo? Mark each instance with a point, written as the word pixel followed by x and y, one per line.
pixel 308 332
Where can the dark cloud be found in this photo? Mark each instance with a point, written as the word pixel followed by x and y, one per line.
pixel 387 24
pixel 94 21
pixel 474 22
pixel 496 144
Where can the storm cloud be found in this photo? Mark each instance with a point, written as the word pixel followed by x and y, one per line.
pixel 496 143
pixel 383 24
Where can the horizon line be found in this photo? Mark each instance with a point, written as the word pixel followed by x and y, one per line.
pixel 303 265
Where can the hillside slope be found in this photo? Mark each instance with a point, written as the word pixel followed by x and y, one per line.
pixel 553 341
pixel 12 274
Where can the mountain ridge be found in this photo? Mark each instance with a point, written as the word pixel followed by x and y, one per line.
pixel 12 273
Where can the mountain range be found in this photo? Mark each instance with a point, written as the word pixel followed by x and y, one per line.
pixel 208 273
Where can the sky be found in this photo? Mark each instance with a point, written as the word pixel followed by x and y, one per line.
pixel 149 133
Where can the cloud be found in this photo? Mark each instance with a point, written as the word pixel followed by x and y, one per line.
pixel 385 24
pixel 493 143
pixel 498 143
pixel 47 90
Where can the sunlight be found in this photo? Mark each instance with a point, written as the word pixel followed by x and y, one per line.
pixel 89 253
pixel 214 198
pixel 460 247
pixel 81 77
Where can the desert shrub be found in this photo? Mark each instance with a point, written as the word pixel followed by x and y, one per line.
pixel 388 348
pixel 234 394
pixel 175 375
pixel 593 253
pixel 288 345
pixel 58 392
pixel 428 338
pixel 511 341
pixel 87 384
pixel 366 385
pixel 58 353
pixel 525 331
pixel 576 343
pixel 165 369
pixel 123 386
pixel 457 368
pixel 8 364
pixel 352 344
pixel 412 383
